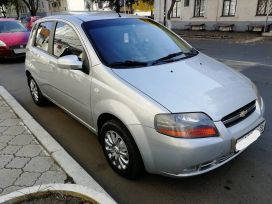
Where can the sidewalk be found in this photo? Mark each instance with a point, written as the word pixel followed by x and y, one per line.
pixel 238 37
pixel 29 156
pixel 23 161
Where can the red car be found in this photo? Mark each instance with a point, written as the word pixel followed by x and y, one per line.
pixel 28 22
pixel 13 38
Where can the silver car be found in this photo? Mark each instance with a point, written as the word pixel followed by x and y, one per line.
pixel 156 103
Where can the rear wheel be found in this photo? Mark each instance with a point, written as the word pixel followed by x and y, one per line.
pixel 120 150
pixel 36 93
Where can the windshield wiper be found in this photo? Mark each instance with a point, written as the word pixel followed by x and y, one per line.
pixel 127 63
pixel 168 57
pixel 193 52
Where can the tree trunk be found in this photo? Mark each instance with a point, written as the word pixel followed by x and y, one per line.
pixel 31 6
pixel 171 9
pixel 3 11
pixel 117 6
pixel 17 8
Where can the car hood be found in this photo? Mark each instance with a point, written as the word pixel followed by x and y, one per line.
pixel 13 39
pixel 197 84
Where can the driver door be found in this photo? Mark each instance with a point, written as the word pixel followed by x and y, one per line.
pixel 70 88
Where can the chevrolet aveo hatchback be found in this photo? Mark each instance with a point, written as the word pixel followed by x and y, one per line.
pixel 155 102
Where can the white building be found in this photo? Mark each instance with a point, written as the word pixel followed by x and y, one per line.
pixel 212 14
pixel 50 7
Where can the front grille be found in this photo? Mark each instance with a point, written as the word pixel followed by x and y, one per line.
pixel 239 115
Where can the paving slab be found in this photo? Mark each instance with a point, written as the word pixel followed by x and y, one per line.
pixel 4 160
pixel 10 149
pixel 39 164
pixel 29 179
pixel 21 140
pixel 8 177
pixel 17 163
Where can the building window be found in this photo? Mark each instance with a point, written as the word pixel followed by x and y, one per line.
pixel 186 3
pixel 176 10
pixel 199 8
pixel 229 7
pixel 262 7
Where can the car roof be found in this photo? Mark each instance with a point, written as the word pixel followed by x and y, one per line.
pixel 89 16
pixel 8 19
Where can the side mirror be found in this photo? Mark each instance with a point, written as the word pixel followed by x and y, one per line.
pixel 69 62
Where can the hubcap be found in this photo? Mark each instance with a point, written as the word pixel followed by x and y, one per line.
pixel 117 150
pixel 34 90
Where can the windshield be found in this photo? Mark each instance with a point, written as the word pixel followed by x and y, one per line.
pixel 11 27
pixel 135 42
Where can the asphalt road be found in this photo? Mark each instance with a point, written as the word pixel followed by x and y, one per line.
pixel 246 179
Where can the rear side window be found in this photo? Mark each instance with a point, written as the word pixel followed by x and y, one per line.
pixel 43 35
pixel 66 41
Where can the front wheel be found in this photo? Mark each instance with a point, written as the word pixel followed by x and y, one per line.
pixel 36 93
pixel 120 150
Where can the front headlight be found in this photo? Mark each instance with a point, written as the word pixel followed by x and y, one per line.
pixel 2 44
pixel 185 125
pixel 259 98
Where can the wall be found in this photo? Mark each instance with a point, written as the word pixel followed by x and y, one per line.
pixel 245 14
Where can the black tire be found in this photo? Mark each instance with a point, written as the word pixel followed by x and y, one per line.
pixel 37 97
pixel 135 165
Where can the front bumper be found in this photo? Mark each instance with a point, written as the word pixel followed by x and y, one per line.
pixel 7 53
pixel 177 157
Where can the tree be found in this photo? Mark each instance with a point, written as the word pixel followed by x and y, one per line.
pixel 32 6
pixel 116 4
pixel 170 9
pixel 143 5
pixel 16 4
pixel 3 5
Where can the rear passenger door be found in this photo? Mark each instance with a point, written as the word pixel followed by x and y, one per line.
pixel 71 88
pixel 39 54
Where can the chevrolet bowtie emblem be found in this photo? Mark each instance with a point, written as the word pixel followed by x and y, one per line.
pixel 243 114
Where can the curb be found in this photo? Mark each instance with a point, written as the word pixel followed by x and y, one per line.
pixel 55 150
pixel 71 189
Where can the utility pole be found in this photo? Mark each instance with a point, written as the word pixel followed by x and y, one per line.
pixel 164 13
pixel 267 15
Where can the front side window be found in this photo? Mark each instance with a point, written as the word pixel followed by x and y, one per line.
pixel 134 42
pixel 199 10
pixel 176 10
pixel 43 35
pixel 263 7
pixel 229 7
pixel 66 41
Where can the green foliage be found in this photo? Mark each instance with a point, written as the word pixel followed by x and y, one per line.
pixel 143 5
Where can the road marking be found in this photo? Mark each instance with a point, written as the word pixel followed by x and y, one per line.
pixel 242 65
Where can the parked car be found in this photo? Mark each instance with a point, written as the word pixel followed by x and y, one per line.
pixel 13 38
pixel 29 21
pixel 155 102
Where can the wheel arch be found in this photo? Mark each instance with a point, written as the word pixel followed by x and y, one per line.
pixel 28 74
pixel 103 118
